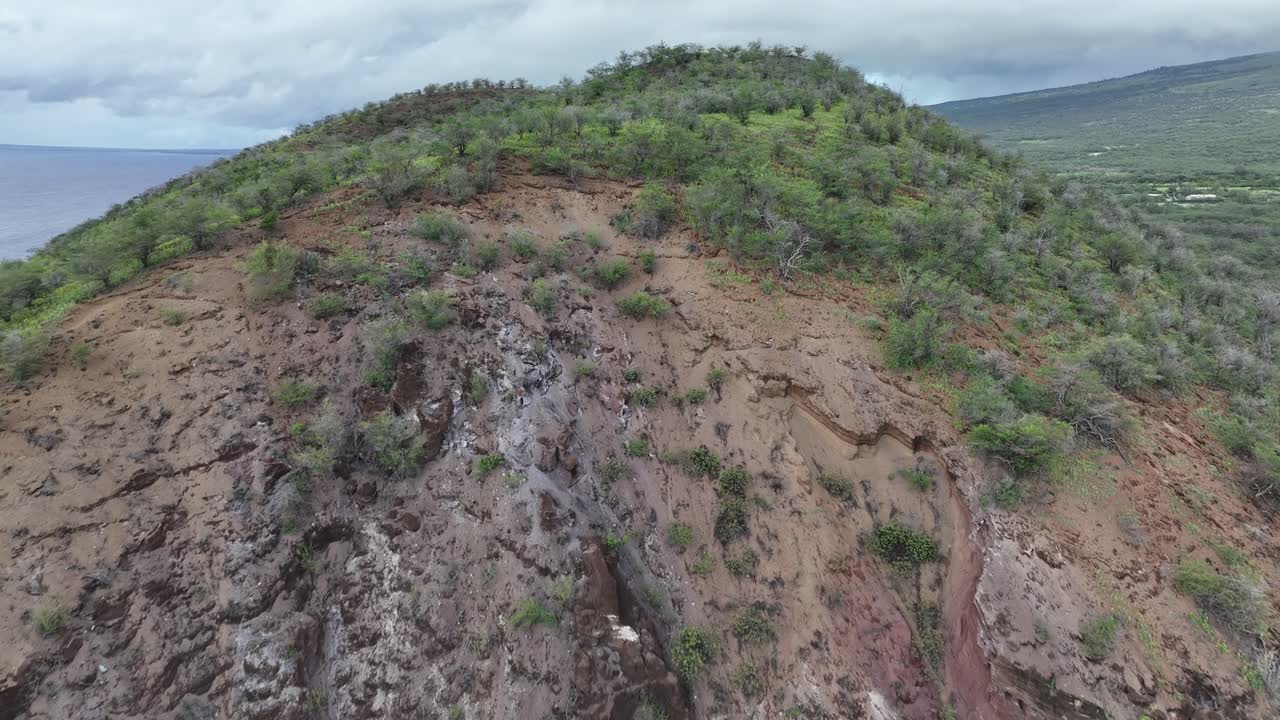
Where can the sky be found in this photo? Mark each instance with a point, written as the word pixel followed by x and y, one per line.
pixel 232 73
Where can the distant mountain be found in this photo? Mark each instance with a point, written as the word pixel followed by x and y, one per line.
pixel 1209 117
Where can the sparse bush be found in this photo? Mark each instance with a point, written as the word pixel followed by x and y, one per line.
pixel 487 256
pixel 439 228
pixel 612 273
pixel 638 448
pixel 631 374
pixel 294 392
pixel 613 469
pixel 680 536
pixel 393 172
pixel 648 261
pixel 641 305
pixel 743 564
pixel 172 316
pixel 695 396
pixel 1078 397
pixel 901 546
pixel 522 244
pixel 646 396
pixel 384 342
pixel 80 353
pixel 748 679
pixel 393 443
pixel 700 461
pixel 653 212
pixel 983 401
pixel 584 369
pixel 919 478
pixel 530 612
pixel 22 353
pixel 542 298
pixel 477 388
pixel 839 486
pixel 1026 445
pixel 270 268
pixel 1098 635
pixel 1232 600
pixel 431 308
pixel 692 650
pixel 327 305
pixel 463 270
pixel 1122 362
pixel 349 264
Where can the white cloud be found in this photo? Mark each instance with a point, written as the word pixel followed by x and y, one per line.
pixel 238 71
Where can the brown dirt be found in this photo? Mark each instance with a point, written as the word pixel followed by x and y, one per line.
pixel 144 495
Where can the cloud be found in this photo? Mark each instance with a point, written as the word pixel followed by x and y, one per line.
pixel 226 71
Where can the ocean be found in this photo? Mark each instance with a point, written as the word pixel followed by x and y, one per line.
pixel 45 191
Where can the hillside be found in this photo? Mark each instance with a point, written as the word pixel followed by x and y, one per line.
pixel 720 383
pixel 1191 120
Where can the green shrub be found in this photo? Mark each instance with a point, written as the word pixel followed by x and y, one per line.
pixel 270 268
pixel 705 564
pixel 172 316
pixel 584 369
pixel 542 298
pixel 735 481
pixel 1122 362
pixel 919 478
pixel 488 463
pixel 637 448
pixel 530 612
pixel 349 264
pixel 593 240
pixel 680 536
pixel 631 374
pixel 646 396
pixel 731 520
pixel 653 212
pixel 463 270
pixel 692 650
pixel 49 621
pixel 294 392
pixel 700 461
pixel 641 305
pixel 1098 635
pixel 1026 445
pixel 22 353
pixel 1232 600
pixel 393 443
pixel 440 228
pixel 753 626
pixel 695 396
pixel 839 486
pixel 901 546
pixel 917 342
pixel 431 308
pixel 80 353
pixel 487 256
pixel 743 564
pixel 613 542
pixel 612 273
pixel 522 244
pixel 385 341
pixel 748 679
pixel 477 388
pixel 983 401
pixel 716 378
pixel 648 261
pixel 327 305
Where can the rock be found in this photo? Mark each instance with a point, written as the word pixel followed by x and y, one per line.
pixel 433 419
pixel 409 521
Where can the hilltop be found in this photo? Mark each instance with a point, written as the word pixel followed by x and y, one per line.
pixel 720 383
pixel 1221 117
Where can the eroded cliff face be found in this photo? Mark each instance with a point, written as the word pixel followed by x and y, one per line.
pixel 152 496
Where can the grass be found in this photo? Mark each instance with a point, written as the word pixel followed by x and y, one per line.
pixel 1232 600
pixel 679 536
pixel 489 463
pixel 49 621
pixel 584 369
pixel 172 316
pixel 636 448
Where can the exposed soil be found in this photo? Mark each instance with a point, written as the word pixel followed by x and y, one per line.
pixel 146 494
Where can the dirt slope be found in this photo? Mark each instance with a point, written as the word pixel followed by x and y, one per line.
pixel 147 494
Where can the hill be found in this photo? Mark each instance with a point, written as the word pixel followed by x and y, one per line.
pixel 1221 116
pixel 720 383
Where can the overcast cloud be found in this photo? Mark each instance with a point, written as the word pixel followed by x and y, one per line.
pixel 228 73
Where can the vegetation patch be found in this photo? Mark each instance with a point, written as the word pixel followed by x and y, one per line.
pixel 902 547
pixel 839 486
pixel 692 650
pixel 642 305
pixel 530 613
pixel 1232 600
pixel 1098 635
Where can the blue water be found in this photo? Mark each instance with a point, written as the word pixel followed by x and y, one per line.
pixel 45 191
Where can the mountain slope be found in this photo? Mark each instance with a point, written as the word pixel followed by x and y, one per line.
pixel 1190 119
pixel 721 383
